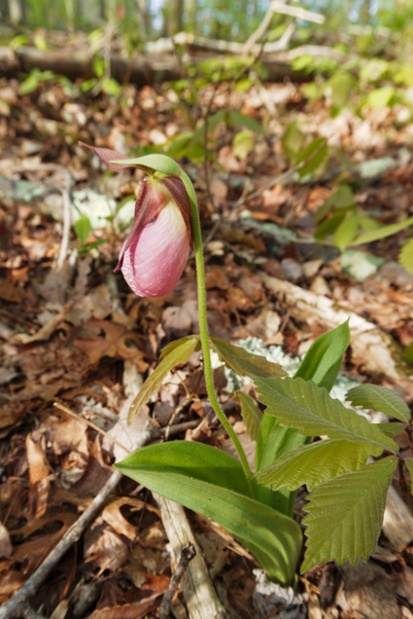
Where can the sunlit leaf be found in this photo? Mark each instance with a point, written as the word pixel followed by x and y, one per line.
pixel 322 361
pixel 346 232
pixel 382 233
pixel 341 198
pixel 303 405
pixel 210 483
pixel 82 228
pixel 382 399
pixel 245 363
pixel 179 352
pixel 312 465
pixel 242 120
pixel 345 514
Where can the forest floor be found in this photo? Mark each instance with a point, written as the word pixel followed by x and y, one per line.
pixel 72 333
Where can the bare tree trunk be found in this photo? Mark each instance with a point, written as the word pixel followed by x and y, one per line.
pixel 192 12
pixel 172 17
pixel 15 12
pixel 142 9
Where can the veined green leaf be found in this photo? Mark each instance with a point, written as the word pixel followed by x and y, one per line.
pixel 210 483
pixel 245 363
pixel 345 514
pixel 303 405
pixel 382 233
pixel 322 361
pixel 175 353
pixel 381 399
pixel 312 465
pixel 250 413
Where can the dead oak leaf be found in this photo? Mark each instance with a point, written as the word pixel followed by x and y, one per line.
pixel 102 338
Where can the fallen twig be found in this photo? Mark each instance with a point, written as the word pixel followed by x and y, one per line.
pixel 200 596
pixel 188 552
pixel 18 602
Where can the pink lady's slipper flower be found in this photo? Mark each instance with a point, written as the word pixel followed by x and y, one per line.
pixel 156 250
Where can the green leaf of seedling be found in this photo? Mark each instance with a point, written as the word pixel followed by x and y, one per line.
pixel 329 225
pixel 381 399
pixel 406 256
pixel 314 464
pixel 243 144
pixel 301 404
pixel 315 155
pixel 208 481
pixel 341 198
pixel 345 514
pixel 322 361
pixel 342 84
pixel 245 363
pixel 177 352
pixel 82 228
pixel 346 232
pixel 292 141
pixel 382 233
pixel 250 413
pixel 242 120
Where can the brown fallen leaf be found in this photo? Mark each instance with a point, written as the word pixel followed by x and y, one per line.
pixel 102 338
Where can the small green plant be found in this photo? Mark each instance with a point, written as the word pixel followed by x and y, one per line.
pixel 346 494
pixel 340 218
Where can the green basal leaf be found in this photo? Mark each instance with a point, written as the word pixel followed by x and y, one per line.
pixel 409 463
pixel 406 256
pixel 382 233
pixel 250 412
pixel 381 399
pixel 272 442
pixel 301 404
pixel 177 352
pixel 345 514
pixel 312 465
pixel 346 232
pixel 245 363
pixel 322 361
pixel 208 481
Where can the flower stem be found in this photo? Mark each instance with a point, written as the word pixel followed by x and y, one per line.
pixel 203 331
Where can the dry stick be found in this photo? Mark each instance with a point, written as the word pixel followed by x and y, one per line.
pixel 188 552
pixel 19 600
pixel 200 596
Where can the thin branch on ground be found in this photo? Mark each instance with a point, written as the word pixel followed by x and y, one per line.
pixel 188 552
